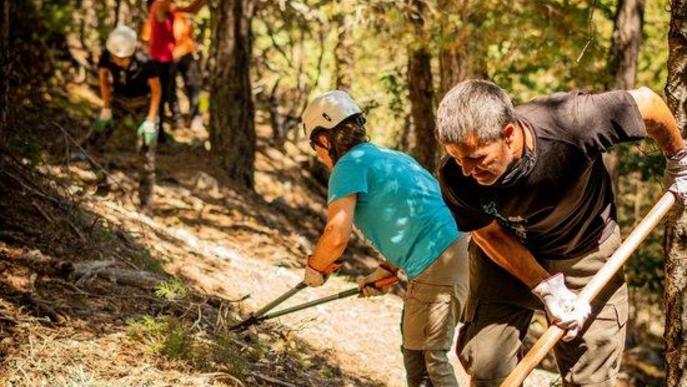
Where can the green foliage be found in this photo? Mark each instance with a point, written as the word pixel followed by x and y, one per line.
pixel 176 339
pixel 172 290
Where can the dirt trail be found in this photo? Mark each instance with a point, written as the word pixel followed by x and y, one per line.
pixel 360 335
pixel 357 333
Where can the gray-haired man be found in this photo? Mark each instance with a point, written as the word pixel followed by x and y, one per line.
pixel 530 183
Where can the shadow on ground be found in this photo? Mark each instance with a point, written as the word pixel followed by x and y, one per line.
pixel 136 313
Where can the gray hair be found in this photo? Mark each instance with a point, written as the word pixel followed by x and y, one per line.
pixel 473 106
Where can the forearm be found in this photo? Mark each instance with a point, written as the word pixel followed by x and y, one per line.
pixel 155 97
pixel 508 252
pixel 660 123
pixel 105 91
pixel 665 132
pixel 328 249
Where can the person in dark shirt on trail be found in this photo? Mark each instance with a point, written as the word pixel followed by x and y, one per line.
pixel 129 85
pixel 530 184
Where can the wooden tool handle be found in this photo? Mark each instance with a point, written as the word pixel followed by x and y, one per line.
pixel 592 289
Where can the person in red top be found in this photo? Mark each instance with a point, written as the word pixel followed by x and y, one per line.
pixel 161 46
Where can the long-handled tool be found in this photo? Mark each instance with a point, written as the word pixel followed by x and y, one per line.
pixel 592 289
pixel 260 315
pixel 255 316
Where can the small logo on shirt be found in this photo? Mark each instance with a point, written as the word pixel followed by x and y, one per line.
pixel 514 223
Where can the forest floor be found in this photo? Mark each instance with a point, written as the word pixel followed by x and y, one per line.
pixel 93 292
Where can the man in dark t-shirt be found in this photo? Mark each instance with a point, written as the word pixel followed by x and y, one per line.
pixel 130 85
pixel 132 81
pixel 530 184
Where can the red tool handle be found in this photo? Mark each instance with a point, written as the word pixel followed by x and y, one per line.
pixel 384 282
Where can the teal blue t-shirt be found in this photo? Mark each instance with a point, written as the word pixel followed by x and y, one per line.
pixel 399 205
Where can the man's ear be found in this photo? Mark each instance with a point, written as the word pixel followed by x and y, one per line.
pixel 508 132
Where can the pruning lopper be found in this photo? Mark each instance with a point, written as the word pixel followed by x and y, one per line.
pixel 262 315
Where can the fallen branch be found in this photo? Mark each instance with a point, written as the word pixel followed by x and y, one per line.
pixel 42 212
pixel 69 285
pixel 103 269
pixel 215 375
pixel 268 379
pixel 39 306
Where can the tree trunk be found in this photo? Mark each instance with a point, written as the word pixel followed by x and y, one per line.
pixel 462 55
pixel 343 55
pixel 625 43
pixel 232 126
pixel 676 229
pixel 421 92
pixel 5 69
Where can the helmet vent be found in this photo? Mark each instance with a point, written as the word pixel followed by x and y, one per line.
pixel 326 117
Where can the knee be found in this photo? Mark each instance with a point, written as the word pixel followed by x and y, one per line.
pixel 488 365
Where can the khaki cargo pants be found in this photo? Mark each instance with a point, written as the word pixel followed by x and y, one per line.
pixel 500 307
pixel 432 307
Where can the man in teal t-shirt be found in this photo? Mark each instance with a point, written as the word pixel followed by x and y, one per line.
pixel 398 207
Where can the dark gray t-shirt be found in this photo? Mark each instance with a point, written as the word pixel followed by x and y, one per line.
pixel 562 206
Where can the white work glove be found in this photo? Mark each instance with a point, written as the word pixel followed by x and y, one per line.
pixel 676 171
pixel 147 131
pixel 562 305
pixel 313 277
pixel 380 272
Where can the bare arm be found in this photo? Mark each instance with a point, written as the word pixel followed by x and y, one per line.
pixel 144 36
pixel 193 7
pixel 336 234
pixel 155 96
pixel 659 121
pixel 105 87
pixel 508 252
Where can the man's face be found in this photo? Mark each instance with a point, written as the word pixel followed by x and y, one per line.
pixel 485 162
pixel 121 62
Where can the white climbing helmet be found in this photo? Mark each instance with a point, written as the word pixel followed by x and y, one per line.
pixel 122 42
pixel 328 110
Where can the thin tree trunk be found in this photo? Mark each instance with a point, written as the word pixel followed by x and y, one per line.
pixel 676 229
pixel 232 126
pixel 625 43
pixel 5 69
pixel 118 6
pixel 421 91
pixel 462 55
pixel 343 55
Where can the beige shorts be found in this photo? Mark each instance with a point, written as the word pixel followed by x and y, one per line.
pixel 435 300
